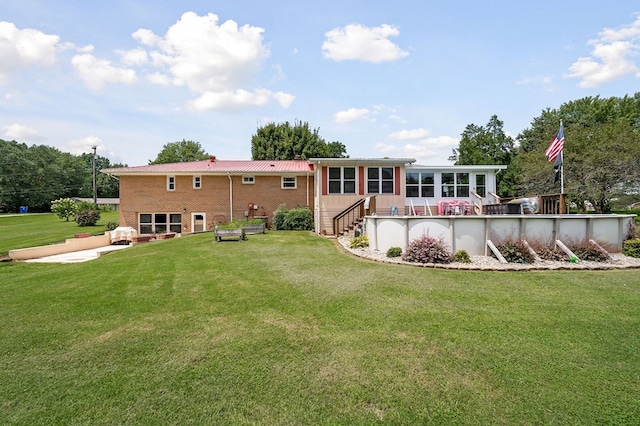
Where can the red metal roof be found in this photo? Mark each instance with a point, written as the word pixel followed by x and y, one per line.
pixel 218 166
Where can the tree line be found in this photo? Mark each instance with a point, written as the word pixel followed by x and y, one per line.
pixel 601 155
pixel 35 175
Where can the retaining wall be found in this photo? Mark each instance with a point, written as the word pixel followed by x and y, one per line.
pixel 470 233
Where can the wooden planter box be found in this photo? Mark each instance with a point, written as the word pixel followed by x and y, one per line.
pixel 141 239
pixel 254 228
pixel 165 236
pixel 233 233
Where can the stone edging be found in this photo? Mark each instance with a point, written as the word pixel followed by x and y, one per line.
pixel 486 263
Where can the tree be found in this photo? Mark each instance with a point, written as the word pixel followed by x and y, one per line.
pixel 64 208
pixel 487 145
pixel 601 151
pixel 286 142
pixel 180 152
pixel 106 186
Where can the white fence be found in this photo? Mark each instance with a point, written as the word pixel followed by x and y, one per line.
pixel 471 233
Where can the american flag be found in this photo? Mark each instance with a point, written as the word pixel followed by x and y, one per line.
pixel 556 145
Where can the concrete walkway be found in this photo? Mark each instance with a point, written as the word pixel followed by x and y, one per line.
pixel 78 256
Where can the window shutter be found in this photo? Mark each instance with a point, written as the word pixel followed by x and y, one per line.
pixel 361 180
pixel 397 179
pixel 325 180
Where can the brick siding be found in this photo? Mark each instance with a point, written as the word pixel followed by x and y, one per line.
pixel 148 194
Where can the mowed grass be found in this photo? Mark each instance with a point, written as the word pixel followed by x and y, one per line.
pixel 286 328
pixel 36 229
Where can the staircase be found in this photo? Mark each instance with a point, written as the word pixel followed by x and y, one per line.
pixel 349 218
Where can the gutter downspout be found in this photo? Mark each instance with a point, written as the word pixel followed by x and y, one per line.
pixel 230 197
pixel 307 188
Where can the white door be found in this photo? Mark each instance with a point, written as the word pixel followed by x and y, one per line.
pixel 198 222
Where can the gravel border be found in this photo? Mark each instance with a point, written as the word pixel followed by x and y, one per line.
pixel 487 263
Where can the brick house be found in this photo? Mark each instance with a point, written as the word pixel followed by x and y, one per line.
pixel 197 196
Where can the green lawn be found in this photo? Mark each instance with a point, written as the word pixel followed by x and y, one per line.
pixel 30 230
pixel 285 328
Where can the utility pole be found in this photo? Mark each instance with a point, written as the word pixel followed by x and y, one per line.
pixel 95 188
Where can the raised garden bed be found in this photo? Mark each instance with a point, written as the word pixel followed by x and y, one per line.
pixel 229 233
pixel 258 228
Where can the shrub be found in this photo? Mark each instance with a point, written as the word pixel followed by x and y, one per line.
pixel 88 218
pixel 552 254
pixel 515 251
pixel 587 251
pixel 461 256
pixel 631 248
pixel 83 206
pixel 297 219
pixel 234 224
pixel 427 249
pixel 394 252
pixel 64 208
pixel 111 225
pixel 359 242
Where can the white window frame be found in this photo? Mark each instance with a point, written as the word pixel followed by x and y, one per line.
pixel 457 185
pixel 248 180
pixel 343 181
pixel 420 185
pixel 379 180
pixel 285 182
pixel 197 182
pixel 171 183
pixel 167 224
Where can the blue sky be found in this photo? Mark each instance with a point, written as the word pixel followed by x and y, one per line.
pixel 396 79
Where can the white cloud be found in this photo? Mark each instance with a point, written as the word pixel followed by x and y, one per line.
pixel 24 48
pixel 352 114
pixel 413 134
pixel 159 79
pixel 611 57
pixel 357 42
pixel 385 149
pixel 425 149
pixel 239 99
pixel 22 133
pixel 97 72
pixel 133 56
pixel 215 61
pixel 397 119
pixel 84 145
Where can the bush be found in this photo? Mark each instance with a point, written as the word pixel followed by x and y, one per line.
pixel 462 256
pixel 552 254
pixel 111 225
pixel 394 252
pixel 515 251
pixel 234 224
pixel 631 248
pixel 83 206
pixel 298 219
pixel 88 218
pixel 427 249
pixel 587 251
pixel 359 242
pixel 64 208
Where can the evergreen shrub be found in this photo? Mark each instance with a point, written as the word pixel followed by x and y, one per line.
pixel 394 252
pixel 88 218
pixel 631 248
